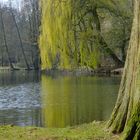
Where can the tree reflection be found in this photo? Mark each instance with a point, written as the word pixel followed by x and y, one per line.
pixel 70 101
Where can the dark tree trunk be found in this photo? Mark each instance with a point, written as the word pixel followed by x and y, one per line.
pixel 34 21
pixel 104 45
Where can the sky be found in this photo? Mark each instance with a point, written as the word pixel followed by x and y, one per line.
pixel 15 3
pixel 8 0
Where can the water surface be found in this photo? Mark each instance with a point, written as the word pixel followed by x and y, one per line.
pixel 28 99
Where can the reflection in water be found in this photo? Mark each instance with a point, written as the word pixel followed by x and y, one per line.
pixel 21 117
pixel 18 77
pixel 56 101
pixel 70 101
pixel 20 98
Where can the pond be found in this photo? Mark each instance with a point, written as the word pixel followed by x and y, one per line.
pixel 31 99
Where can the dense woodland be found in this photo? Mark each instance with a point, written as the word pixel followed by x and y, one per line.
pixel 19 34
pixel 88 34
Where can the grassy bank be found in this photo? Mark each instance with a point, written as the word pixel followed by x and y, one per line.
pixel 92 131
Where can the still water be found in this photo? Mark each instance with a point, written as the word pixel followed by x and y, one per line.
pixel 31 99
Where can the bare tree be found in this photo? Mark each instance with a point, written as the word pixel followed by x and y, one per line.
pixel 21 44
pixel 5 40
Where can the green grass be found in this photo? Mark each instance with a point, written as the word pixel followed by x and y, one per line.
pixel 92 131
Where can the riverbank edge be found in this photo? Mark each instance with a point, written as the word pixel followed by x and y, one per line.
pixel 91 131
pixel 76 71
pixel 84 71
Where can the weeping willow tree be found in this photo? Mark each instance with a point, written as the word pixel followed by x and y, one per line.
pixel 71 32
pixel 66 40
pixel 126 114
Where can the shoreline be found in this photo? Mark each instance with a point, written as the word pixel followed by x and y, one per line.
pixel 84 72
pixel 77 71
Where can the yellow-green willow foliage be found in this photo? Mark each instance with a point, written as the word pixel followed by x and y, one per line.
pixel 64 43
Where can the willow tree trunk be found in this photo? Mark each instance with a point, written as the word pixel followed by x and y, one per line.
pixel 104 45
pixel 126 115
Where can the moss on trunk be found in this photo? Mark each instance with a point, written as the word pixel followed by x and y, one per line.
pixel 126 115
pixel 133 127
